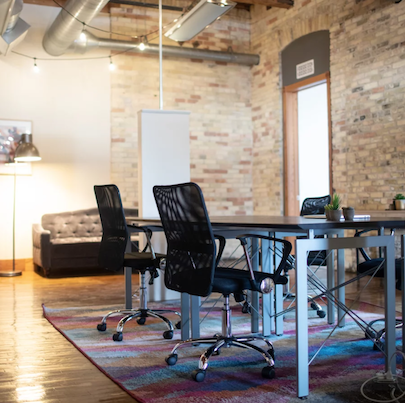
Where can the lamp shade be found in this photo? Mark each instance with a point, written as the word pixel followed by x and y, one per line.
pixel 26 151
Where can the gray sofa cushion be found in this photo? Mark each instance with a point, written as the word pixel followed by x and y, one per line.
pixel 73 224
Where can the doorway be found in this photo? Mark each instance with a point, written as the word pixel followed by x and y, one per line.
pixel 307 141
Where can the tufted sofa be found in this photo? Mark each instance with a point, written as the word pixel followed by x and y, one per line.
pixel 67 243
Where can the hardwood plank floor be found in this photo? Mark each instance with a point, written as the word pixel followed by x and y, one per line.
pixel 37 364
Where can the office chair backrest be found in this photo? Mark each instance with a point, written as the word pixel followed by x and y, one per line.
pixel 191 249
pixel 314 205
pixel 115 231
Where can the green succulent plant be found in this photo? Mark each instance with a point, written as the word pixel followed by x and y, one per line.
pixel 399 196
pixel 335 203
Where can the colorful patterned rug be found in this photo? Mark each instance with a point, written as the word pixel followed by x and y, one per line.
pixel 137 363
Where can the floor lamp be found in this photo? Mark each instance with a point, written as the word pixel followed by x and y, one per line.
pixel 25 152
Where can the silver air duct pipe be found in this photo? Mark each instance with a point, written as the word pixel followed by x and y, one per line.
pixel 93 42
pixel 66 28
pixel 12 28
pixel 15 14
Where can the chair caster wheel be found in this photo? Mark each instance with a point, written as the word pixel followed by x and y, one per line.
pixel 117 337
pixel 268 372
pixel 171 359
pixel 168 334
pixel 198 375
pixel 101 327
pixel 178 325
pixel 246 308
pixel 141 321
pixel 321 313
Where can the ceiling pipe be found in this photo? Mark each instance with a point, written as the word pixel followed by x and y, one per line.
pixel 66 28
pixel 93 42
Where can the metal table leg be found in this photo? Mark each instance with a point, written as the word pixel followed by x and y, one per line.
pixel 267 299
pixel 254 294
pixel 128 287
pixel 340 280
pixel 185 316
pixel 301 315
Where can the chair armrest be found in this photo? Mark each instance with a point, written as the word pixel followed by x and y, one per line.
pixel 148 231
pixel 277 277
pixel 41 240
pixel 222 243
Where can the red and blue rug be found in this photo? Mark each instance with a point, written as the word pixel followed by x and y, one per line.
pixel 138 365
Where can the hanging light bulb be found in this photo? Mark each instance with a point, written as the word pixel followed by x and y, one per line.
pixel 83 36
pixel 142 44
pixel 112 65
pixel 36 68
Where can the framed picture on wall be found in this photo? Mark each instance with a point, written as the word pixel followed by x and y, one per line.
pixel 10 136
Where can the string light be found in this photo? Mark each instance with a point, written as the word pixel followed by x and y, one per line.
pixel 83 36
pixel 142 44
pixel 36 68
pixel 112 65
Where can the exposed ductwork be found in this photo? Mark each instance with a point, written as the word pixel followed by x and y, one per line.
pixel 12 28
pixel 92 42
pixel 66 28
pixel 65 31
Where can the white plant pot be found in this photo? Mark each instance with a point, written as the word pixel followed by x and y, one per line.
pixel 399 204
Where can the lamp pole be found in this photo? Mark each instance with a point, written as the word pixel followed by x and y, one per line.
pixel 13 273
pixel 160 58
pixel 25 152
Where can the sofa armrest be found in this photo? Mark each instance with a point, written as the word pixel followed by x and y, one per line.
pixel 41 241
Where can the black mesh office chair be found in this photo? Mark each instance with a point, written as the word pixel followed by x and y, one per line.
pixel 315 206
pixel 192 267
pixel 311 206
pixel 375 267
pixel 112 256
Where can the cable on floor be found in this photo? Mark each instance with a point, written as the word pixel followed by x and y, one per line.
pixel 388 380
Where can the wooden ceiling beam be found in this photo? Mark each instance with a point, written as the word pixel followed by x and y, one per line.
pixel 269 3
pixel 106 8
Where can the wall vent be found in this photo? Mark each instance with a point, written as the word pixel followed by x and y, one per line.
pixel 305 69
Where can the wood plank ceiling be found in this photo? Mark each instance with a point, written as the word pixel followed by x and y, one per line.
pixel 241 3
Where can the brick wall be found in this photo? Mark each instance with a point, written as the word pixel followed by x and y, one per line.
pixel 217 95
pixel 236 112
pixel 367 98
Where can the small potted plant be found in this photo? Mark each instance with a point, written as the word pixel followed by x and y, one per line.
pixel 332 210
pixel 399 201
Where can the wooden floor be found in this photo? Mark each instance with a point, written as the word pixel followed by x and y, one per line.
pixel 37 364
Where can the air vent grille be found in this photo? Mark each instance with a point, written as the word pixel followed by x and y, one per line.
pixel 305 69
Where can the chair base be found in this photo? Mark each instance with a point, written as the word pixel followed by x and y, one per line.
pixel 218 342
pixel 141 314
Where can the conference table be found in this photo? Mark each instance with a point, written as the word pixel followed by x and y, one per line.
pixel 334 238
